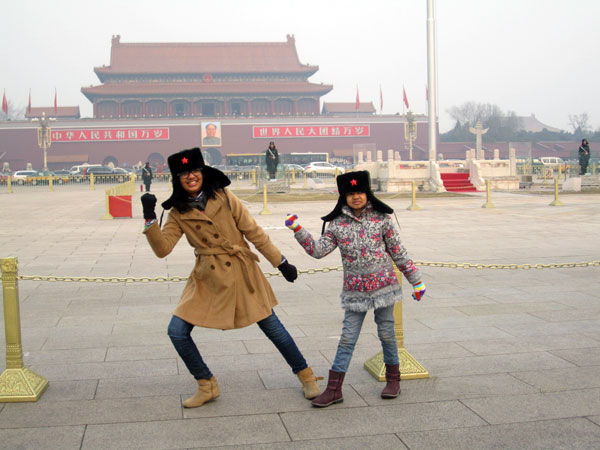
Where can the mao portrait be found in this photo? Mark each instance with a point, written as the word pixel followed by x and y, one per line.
pixel 211 134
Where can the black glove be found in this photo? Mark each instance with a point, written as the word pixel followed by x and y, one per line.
pixel 149 203
pixel 288 271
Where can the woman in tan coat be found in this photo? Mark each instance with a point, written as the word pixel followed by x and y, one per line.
pixel 226 288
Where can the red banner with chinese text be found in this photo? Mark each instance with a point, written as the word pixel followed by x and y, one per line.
pixel 110 134
pixel 303 131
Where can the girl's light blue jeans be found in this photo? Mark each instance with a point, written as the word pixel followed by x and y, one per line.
pixel 384 318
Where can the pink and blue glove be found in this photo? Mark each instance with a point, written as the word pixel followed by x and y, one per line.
pixel 419 291
pixel 291 221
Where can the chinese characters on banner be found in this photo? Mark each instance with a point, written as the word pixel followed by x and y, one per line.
pixel 110 134
pixel 303 131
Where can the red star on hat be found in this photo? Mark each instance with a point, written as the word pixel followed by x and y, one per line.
pixel 353 182
pixel 184 160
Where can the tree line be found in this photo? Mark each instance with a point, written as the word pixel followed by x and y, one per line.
pixel 507 127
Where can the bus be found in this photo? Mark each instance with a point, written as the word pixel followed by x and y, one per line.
pixel 303 159
pixel 258 159
pixel 245 159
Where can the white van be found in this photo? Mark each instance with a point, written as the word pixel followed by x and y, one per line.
pixel 78 170
pixel 551 161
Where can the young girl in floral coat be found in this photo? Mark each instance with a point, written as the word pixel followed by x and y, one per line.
pixel 368 241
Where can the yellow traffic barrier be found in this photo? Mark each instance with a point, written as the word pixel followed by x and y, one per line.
pixel 253 176
pixel 410 369
pixel 413 206
pixel 92 188
pixel 17 382
pixel 556 201
pixel 488 203
pixel 126 189
pixel 50 188
pixel 265 209
pixel 9 185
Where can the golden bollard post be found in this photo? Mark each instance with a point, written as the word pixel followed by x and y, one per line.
pixel 413 206
pixel 17 382
pixel 305 181
pixel 488 203
pixel 50 183
pixel 293 176
pixel 265 209
pixel 556 201
pixel 9 185
pixel 92 188
pixel 253 176
pixel 410 369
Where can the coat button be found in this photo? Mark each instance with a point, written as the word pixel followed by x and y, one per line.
pixel 204 240
pixel 198 227
pixel 228 263
pixel 216 235
pixel 212 266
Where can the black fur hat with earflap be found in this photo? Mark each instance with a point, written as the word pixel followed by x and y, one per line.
pixel 186 161
pixel 359 181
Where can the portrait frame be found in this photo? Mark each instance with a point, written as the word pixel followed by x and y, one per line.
pixel 206 137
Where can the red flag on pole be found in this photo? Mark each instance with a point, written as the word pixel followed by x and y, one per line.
pixel 4 104
pixel 357 99
pixel 29 105
pixel 380 99
pixel 55 104
pixel 404 97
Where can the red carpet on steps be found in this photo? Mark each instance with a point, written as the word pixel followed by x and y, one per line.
pixel 457 182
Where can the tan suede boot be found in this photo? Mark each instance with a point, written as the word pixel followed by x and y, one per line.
pixel 207 390
pixel 309 383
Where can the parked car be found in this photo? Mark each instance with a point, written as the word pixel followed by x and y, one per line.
pixel 297 168
pixel 62 172
pixel 24 176
pixel 98 170
pixel 321 167
pixel 56 178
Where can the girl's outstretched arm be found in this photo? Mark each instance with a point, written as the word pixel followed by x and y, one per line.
pixel 317 249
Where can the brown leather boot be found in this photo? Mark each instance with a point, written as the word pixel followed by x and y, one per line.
pixel 207 390
pixel 392 377
pixel 309 383
pixel 333 393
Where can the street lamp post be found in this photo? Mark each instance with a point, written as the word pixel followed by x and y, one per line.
pixel 410 132
pixel 44 136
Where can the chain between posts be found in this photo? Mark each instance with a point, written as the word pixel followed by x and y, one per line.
pixel 311 271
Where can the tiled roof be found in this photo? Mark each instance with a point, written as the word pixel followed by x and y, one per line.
pixel 531 124
pixel 61 111
pixel 209 57
pixel 346 108
pixel 137 89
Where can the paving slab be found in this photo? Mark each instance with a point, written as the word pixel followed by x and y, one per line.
pixel 564 434
pixel 189 433
pixel 337 421
pixel 562 379
pixel 55 438
pixel 533 407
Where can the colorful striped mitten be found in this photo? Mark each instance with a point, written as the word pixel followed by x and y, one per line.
pixel 419 291
pixel 291 221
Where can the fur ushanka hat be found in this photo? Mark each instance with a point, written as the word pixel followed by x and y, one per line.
pixel 359 181
pixel 186 161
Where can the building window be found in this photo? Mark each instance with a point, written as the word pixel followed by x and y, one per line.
pixel 208 109
pixel 131 108
pixel 307 106
pixel 107 109
pixel 156 108
pixel 261 107
pixel 283 106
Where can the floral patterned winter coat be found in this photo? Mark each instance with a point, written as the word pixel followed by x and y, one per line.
pixel 368 244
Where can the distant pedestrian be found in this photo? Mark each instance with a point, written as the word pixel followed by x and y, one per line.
pixel 272 159
pixel 584 156
pixel 147 176
pixel 368 241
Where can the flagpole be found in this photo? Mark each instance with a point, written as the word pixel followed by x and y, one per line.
pixel 431 80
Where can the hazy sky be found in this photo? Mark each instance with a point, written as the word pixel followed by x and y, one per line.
pixel 527 56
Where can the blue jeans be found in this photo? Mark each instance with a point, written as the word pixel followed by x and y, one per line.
pixel 384 318
pixel 180 333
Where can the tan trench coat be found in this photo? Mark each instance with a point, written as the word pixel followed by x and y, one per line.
pixel 227 289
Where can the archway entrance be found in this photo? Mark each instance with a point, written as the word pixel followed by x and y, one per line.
pixel 110 161
pixel 212 156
